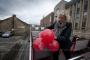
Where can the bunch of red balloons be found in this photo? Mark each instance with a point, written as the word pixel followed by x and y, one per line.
pixel 46 40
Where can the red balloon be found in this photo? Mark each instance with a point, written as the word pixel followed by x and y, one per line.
pixel 40 34
pixel 47 36
pixel 38 45
pixel 54 46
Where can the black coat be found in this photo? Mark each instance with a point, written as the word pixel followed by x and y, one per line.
pixel 64 37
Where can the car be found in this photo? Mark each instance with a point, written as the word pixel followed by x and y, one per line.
pixel 7 34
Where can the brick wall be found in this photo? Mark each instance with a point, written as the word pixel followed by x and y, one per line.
pixel 46 21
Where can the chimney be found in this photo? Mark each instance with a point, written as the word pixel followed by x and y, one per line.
pixel 62 0
pixel 14 15
pixel 13 18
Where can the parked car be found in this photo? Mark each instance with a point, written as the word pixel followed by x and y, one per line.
pixel 7 34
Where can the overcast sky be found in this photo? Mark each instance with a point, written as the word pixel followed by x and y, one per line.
pixel 30 11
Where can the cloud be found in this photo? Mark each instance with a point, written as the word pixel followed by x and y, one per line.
pixel 30 11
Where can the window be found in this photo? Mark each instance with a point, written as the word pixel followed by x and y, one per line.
pixel 76 26
pixel 70 13
pixel 78 9
pixel 85 5
pixel 84 23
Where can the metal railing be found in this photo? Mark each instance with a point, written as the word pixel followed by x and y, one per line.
pixel 30 49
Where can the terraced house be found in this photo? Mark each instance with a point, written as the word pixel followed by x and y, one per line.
pixel 14 24
pixel 80 16
pixel 78 13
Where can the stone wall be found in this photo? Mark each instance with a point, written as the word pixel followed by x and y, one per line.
pixel 14 24
pixel 6 25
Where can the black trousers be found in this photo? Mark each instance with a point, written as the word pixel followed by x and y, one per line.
pixel 66 52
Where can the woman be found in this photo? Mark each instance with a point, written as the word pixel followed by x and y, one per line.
pixel 63 31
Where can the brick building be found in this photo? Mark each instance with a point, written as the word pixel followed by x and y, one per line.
pixel 46 21
pixel 14 24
